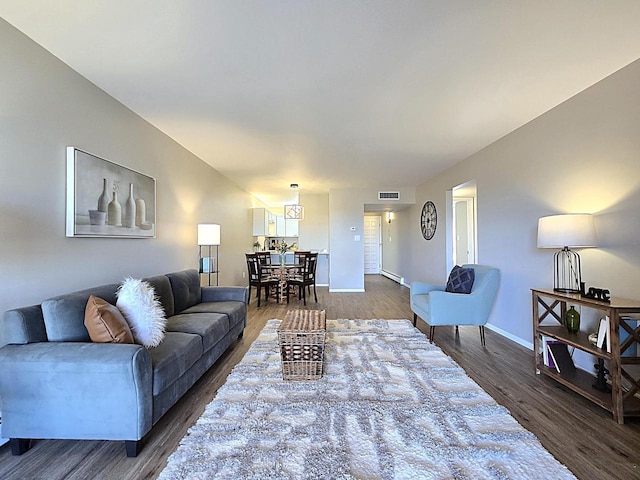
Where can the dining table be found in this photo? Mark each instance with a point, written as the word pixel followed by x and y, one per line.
pixel 284 272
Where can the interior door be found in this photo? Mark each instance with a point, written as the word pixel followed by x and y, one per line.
pixel 464 233
pixel 372 244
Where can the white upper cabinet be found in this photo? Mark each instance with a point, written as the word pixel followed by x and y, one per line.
pixel 280 226
pixel 267 224
pixel 291 227
pixel 260 221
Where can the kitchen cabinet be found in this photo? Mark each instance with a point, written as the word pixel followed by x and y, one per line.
pixel 291 227
pixel 267 224
pixel 280 226
pixel 261 217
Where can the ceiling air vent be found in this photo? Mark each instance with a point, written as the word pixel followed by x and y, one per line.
pixel 388 195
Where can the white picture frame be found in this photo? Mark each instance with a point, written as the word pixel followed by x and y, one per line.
pixel 92 208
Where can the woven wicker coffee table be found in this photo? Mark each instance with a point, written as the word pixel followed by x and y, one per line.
pixel 301 338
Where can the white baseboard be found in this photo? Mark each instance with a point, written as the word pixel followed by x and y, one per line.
pixel 393 276
pixel 511 337
pixel 2 440
pixel 346 290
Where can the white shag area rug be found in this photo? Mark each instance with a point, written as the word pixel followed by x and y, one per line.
pixel 390 405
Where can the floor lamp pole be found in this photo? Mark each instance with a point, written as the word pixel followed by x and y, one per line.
pixel 217 267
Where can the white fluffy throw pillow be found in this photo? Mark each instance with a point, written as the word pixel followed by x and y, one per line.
pixel 142 311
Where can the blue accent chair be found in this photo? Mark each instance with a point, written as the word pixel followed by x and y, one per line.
pixel 437 307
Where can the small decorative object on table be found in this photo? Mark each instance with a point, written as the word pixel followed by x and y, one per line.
pixel 282 248
pixel 572 320
pixel 301 339
pixel 602 294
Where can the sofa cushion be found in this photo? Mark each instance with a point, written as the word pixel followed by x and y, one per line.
pixel 141 308
pixel 173 357
pixel 64 315
pixel 210 326
pixel 105 323
pixel 236 311
pixel 186 289
pixel 162 287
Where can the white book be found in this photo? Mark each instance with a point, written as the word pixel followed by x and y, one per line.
pixel 206 265
pixel 545 351
pixel 603 334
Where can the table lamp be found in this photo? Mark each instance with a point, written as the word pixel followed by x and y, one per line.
pixel 566 232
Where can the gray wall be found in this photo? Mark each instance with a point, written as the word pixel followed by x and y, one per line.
pixel 580 157
pixel 346 211
pixel 313 231
pixel 46 106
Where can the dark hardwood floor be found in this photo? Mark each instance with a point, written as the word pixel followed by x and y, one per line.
pixel 578 433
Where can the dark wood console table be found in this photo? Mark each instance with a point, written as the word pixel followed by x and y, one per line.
pixel 621 402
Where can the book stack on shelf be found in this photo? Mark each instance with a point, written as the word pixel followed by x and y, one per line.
pixel 555 354
pixel 604 341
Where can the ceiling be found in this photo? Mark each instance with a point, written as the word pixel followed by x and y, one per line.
pixel 335 94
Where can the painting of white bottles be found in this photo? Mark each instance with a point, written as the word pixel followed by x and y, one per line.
pixel 105 199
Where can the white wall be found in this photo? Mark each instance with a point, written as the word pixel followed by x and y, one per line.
pixel 313 231
pixel 582 156
pixel 391 237
pixel 346 211
pixel 346 255
pixel 45 106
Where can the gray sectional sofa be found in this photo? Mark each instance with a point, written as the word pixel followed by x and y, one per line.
pixel 55 383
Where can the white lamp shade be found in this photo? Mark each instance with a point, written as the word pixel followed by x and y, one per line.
pixel 570 230
pixel 208 234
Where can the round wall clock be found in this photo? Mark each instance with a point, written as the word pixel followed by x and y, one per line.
pixel 428 220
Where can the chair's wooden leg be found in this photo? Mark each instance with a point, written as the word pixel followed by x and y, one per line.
pixel 482 341
pixel 457 332
pixel 259 293
pixel 249 299
pixel 432 333
pixel 304 295
pixel 19 445
pixel 132 447
pixel 288 287
pixel 315 295
pixel 415 319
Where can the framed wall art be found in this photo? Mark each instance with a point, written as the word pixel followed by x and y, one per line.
pixel 105 199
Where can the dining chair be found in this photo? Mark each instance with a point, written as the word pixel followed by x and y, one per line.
pixel 299 255
pixel 305 277
pixel 258 280
pixel 264 261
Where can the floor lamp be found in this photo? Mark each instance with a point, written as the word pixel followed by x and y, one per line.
pixel 564 232
pixel 209 236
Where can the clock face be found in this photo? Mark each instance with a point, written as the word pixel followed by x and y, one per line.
pixel 428 220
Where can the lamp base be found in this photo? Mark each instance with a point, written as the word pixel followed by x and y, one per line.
pixel 566 290
pixel 567 271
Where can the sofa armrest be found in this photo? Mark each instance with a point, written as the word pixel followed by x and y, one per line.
pixel 421 288
pixel 76 390
pixel 225 294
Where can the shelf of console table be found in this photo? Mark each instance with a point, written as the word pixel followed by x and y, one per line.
pixel 550 305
